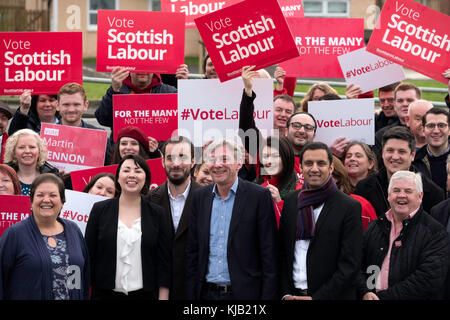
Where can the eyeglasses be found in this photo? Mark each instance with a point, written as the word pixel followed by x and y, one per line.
pixel 441 125
pixel 298 126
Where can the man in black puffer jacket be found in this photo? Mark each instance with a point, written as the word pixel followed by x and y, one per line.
pixel 405 251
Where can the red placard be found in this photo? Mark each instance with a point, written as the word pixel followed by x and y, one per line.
pixel 39 61
pixel 320 41
pixel 141 41
pixel 12 210
pixel 292 8
pixel 194 8
pixel 155 114
pixel 413 36
pixel 81 178
pixel 246 33
pixel 74 148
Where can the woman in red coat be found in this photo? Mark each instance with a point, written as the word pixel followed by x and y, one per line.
pixel 276 170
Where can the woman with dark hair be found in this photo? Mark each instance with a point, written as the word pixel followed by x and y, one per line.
pixel 276 170
pixel 128 239
pixel 9 182
pixel 33 110
pixel 359 161
pixel 44 257
pixel 131 140
pixel 342 180
pixel 102 185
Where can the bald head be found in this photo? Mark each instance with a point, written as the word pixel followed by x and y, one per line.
pixel 416 111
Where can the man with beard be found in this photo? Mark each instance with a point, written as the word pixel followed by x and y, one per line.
pixel 301 129
pixel 174 196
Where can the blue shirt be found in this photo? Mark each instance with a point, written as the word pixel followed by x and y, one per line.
pixel 218 236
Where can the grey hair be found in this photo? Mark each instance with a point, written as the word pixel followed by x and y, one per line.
pixel 407 175
pixel 237 150
pixel 420 101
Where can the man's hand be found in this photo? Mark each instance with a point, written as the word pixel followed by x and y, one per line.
pixel 182 72
pixel 338 146
pixel 352 91
pixel 25 101
pixel 279 76
pixel 118 74
pixel 370 296
pixel 247 76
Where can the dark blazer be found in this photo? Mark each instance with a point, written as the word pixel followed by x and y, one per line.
pixel 160 196
pixel 101 240
pixel 251 247
pixel 334 253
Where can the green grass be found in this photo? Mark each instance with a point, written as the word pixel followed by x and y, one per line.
pixel 95 91
pixel 430 96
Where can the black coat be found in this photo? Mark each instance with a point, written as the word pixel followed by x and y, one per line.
pixel 101 240
pixel 334 253
pixel 27 121
pixel 375 189
pixel 251 247
pixel 417 267
pixel 160 196
pixel 441 212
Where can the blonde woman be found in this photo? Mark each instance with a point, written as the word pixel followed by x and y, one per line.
pixel 315 92
pixel 26 153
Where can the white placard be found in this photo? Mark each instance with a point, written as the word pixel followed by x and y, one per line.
pixel 78 206
pixel 369 71
pixel 350 118
pixel 209 109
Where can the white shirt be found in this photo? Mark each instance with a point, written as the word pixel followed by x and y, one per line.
pixel 129 260
pixel 299 273
pixel 177 205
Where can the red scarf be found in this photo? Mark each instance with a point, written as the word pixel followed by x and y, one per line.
pixel 156 81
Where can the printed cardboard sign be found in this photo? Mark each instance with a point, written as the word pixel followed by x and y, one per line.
pixel 369 71
pixel 413 36
pixel 74 148
pixel 141 41
pixel 194 8
pixel 245 34
pixel 12 210
pixel 320 41
pixel 351 118
pixel 39 61
pixel 155 114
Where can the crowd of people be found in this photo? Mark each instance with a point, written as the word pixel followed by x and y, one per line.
pixel 288 218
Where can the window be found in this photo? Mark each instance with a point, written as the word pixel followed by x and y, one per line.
pixel 327 8
pixel 94 5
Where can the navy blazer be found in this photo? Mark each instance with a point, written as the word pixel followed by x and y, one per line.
pixel 251 247
pixel 26 269
pixel 101 240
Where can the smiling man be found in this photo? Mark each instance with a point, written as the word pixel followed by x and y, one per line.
pixel 397 154
pixel 320 234
pixel 407 247
pixel 431 159
pixel 232 247
pixel 72 104
pixel 174 195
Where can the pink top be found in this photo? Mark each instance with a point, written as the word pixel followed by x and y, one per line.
pixel 383 279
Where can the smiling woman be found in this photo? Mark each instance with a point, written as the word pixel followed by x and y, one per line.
pixel 26 153
pixel 137 231
pixel 44 257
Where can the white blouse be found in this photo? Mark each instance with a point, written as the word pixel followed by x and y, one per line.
pixel 129 261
